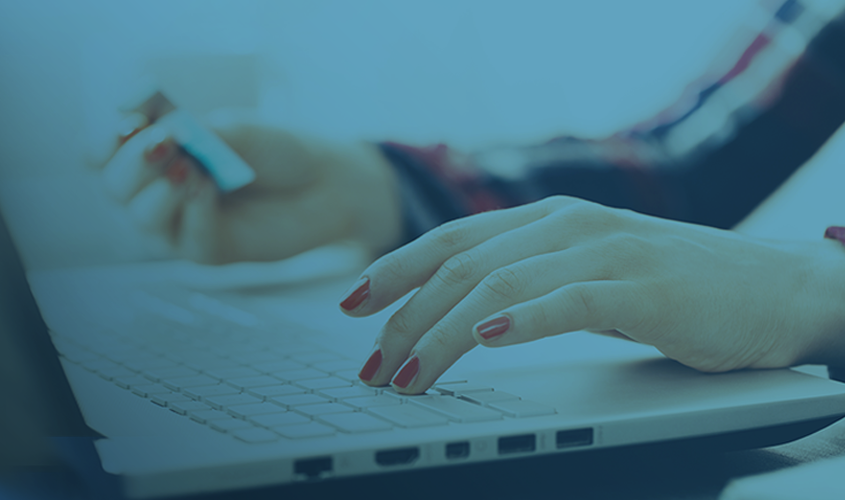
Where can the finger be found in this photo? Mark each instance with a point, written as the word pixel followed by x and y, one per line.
pixel 519 282
pixel 155 206
pixel 283 161
pixel 130 126
pixel 195 228
pixel 138 162
pixel 594 305
pixel 399 272
pixel 453 281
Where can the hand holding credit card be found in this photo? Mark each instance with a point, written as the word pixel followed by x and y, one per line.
pixel 212 155
pixel 244 189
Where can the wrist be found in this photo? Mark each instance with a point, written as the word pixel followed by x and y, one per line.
pixel 825 305
pixel 370 185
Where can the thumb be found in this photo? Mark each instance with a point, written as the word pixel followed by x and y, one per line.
pixel 283 161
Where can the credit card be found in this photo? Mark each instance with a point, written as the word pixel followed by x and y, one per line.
pixel 228 170
pixel 224 166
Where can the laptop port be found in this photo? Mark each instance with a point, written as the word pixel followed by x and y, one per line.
pixel 574 438
pixel 457 450
pixel 517 444
pixel 399 456
pixel 313 468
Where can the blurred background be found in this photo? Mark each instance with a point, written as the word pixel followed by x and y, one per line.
pixel 472 74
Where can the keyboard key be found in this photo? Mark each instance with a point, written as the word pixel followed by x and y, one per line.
pixel 231 400
pixel 278 366
pixel 183 407
pixel 304 374
pixel 207 391
pixel 408 415
pixel 456 410
pixel 354 391
pixel 351 375
pixel 255 435
pixel 249 410
pixel 324 383
pixel 298 400
pixel 145 364
pixel 337 365
pixel 278 390
pixel 486 398
pixel 258 381
pixel 521 408
pixel 203 416
pixel 127 382
pixel 372 401
pixel 323 409
pixel 169 399
pixel 101 364
pixel 255 357
pixel 232 372
pixel 195 381
pixel 461 388
pixel 303 431
pixel 211 364
pixel 150 389
pixel 230 424
pixel 316 357
pixel 277 419
pixel 157 374
pixel 356 422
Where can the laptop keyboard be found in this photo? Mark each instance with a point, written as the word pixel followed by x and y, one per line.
pixel 262 386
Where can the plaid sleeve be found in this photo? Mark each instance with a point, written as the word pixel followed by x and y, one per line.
pixel 731 139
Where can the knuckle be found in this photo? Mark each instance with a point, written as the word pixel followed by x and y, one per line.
pixel 504 283
pixel 555 202
pixel 449 235
pixel 582 301
pixel 458 269
pixel 399 325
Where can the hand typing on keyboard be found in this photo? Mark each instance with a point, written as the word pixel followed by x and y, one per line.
pixel 711 299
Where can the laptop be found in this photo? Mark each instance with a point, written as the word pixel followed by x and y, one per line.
pixel 198 387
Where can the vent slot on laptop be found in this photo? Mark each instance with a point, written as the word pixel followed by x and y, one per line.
pixel 524 443
pixel 574 438
pixel 313 468
pixel 398 456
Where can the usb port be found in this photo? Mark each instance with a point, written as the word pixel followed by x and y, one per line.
pixel 517 444
pixel 313 468
pixel 574 438
pixel 457 450
pixel 399 456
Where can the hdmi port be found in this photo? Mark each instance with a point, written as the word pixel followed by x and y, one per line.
pixel 399 456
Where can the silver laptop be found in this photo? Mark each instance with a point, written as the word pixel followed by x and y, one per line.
pixel 251 386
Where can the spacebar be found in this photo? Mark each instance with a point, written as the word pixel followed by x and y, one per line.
pixel 455 409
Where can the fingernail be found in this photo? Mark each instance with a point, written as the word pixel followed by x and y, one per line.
pixel 157 151
pixel 407 373
pixel 177 171
pixel 493 328
pixel 371 366
pixel 356 295
pixel 130 126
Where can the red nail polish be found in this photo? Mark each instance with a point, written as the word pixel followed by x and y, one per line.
pixel 359 292
pixel 407 373
pixel 157 152
pixel 371 366
pixel 130 126
pixel 177 171
pixel 494 327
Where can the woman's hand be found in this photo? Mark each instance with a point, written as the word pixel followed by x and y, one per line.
pixel 306 194
pixel 711 299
